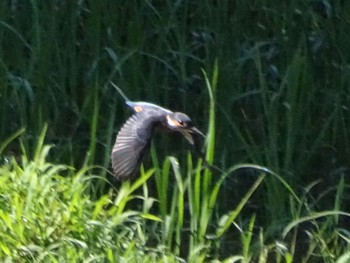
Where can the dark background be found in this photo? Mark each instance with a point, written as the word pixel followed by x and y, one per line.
pixel 282 96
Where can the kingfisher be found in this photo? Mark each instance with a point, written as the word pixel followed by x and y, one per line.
pixel 134 137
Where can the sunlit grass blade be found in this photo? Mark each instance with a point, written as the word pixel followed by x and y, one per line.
pixel 39 147
pixel 126 190
pixel 225 224
pixel 311 217
pixel 247 239
pixel 178 216
pixel 206 180
pixel 5 143
pixel 210 139
pixel 162 180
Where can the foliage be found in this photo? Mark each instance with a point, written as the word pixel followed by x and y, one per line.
pixel 276 76
pixel 47 217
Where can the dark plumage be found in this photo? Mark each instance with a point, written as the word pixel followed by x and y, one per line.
pixel 134 138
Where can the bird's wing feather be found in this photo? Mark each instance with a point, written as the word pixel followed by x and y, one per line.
pixel 139 106
pixel 131 144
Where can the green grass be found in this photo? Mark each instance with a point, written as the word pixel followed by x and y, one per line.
pixel 49 215
pixel 273 101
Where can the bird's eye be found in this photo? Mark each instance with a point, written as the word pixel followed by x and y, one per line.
pixel 181 123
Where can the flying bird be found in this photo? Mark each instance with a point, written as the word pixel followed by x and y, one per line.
pixel 134 138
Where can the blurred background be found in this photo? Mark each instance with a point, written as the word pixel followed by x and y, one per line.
pixel 282 94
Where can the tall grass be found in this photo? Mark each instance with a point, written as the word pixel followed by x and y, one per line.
pixel 47 217
pixel 279 79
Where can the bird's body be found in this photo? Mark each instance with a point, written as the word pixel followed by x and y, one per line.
pixel 134 138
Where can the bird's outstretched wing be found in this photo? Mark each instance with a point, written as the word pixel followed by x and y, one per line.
pixel 131 144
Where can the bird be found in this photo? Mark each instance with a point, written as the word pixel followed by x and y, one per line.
pixel 134 137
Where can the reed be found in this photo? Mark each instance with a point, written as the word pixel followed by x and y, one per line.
pixel 273 101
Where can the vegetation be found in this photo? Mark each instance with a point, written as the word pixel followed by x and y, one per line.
pixel 267 81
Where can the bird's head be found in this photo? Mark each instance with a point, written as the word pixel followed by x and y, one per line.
pixel 177 121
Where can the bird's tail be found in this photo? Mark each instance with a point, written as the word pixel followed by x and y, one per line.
pixel 120 92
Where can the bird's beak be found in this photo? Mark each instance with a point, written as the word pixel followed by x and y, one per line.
pixel 188 134
pixel 196 131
